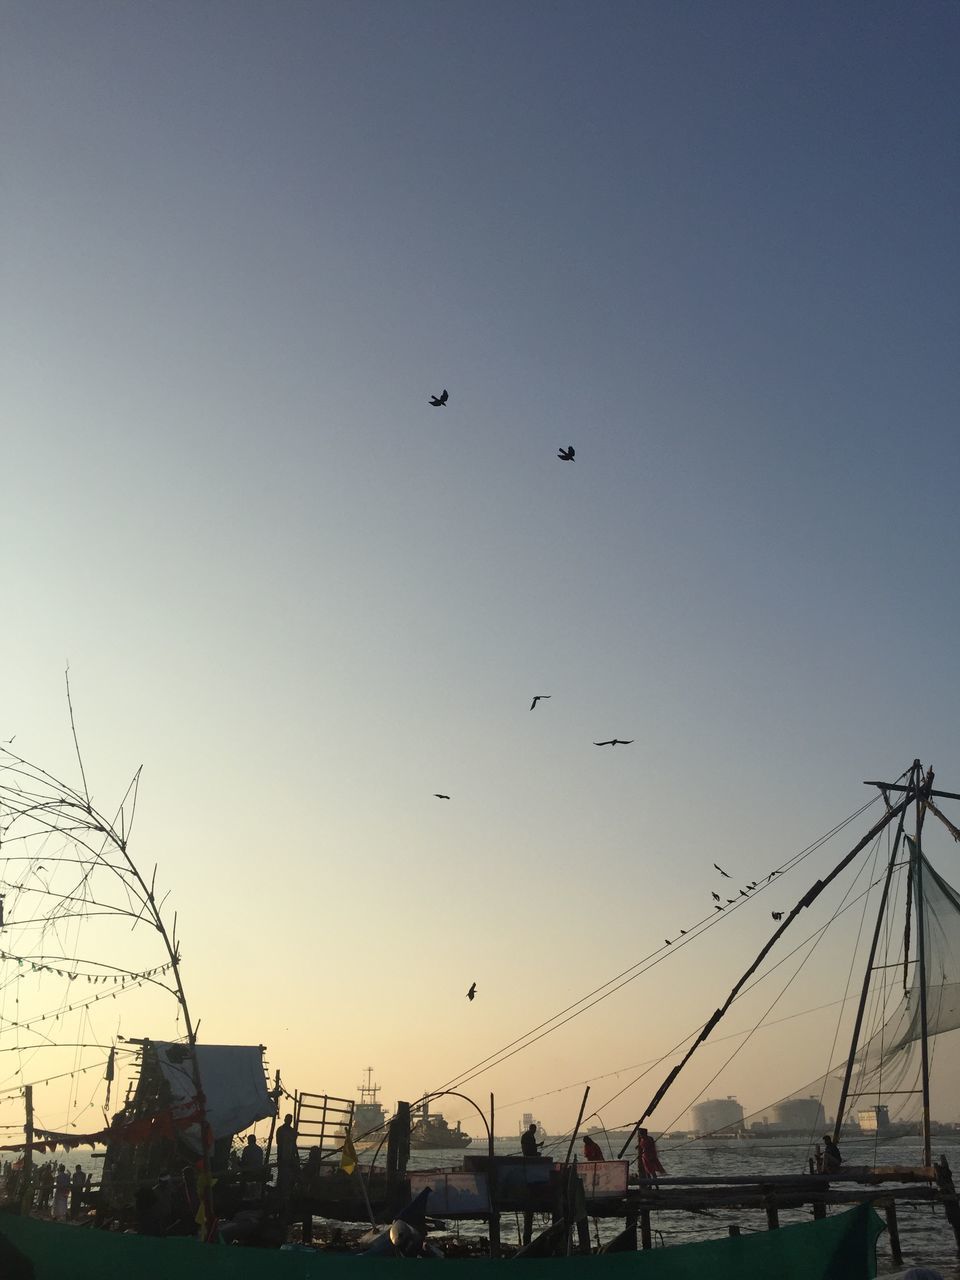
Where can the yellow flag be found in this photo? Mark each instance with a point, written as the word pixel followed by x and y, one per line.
pixel 348 1157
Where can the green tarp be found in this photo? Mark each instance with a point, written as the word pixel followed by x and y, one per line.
pixel 841 1247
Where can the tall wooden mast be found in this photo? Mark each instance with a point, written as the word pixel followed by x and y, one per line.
pixel 916 870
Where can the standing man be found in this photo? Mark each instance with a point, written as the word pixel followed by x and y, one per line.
pixel 832 1159
pixel 529 1144
pixel 77 1184
pixel 288 1158
pixel 251 1167
pixel 648 1162
pixel 591 1149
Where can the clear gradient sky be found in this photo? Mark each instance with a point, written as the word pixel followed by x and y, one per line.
pixel 715 247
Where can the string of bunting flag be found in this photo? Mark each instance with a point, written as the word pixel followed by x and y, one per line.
pixel 123 981
pixel 38 966
pixel 77 1071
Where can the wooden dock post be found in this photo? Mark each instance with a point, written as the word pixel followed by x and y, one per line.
pixel 494 1231
pixel 773 1217
pixel 890 1209
pixel 630 1227
pixel 946 1188
pixel 733 1229
pixel 646 1240
pixel 527 1226
pixel 26 1175
pixel 819 1209
pixel 398 1153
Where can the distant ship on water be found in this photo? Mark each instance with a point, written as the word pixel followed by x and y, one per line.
pixel 368 1113
pixel 430 1130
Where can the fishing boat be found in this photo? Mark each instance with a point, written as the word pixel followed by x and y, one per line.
pixel 431 1131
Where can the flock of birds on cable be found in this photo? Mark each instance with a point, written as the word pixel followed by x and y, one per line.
pixel 568 454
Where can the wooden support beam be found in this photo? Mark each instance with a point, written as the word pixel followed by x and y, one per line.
pixel 646 1239
pixel 733 1229
pixel 890 1209
pixel 819 1209
pixel 949 1195
pixel 773 1216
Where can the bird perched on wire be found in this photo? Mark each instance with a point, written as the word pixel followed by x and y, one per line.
pixel 776 915
pixel 439 401
pixel 537 698
pixel 568 454
pixel 614 742
pixel 721 870
pixel 473 991
pixel 441 796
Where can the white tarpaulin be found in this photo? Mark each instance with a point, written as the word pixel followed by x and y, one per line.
pixel 233 1082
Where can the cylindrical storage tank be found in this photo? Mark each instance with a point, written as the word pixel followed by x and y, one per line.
pixel 802 1114
pixel 715 1114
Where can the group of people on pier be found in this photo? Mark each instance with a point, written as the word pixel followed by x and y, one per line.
pixel 648 1161
pixel 48 1181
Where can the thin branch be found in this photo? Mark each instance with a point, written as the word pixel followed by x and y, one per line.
pixel 73 730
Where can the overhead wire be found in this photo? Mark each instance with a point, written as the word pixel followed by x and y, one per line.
pixel 634 971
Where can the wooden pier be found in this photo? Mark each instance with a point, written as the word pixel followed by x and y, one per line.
pixel 338 1197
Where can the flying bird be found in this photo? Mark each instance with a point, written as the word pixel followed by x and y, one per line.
pixel 538 697
pixel 439 401
pixel 721 870
pixel 441 796
pixel 614 742
pixel 776 915
pixel 567 455
pixel 473 991
pixel 714 896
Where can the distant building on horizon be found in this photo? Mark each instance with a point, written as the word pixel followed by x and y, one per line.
pixel 874 1120
pixel 798 1115
pixel 716 1115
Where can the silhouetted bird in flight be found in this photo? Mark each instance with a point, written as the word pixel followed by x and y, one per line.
pixel 439 401
pixel 721 870
pixel 614 742
pixel 567 455
pixel 776 915
pixel 714 896
pixel 441 796
pixel 473 991
pixel 538 697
